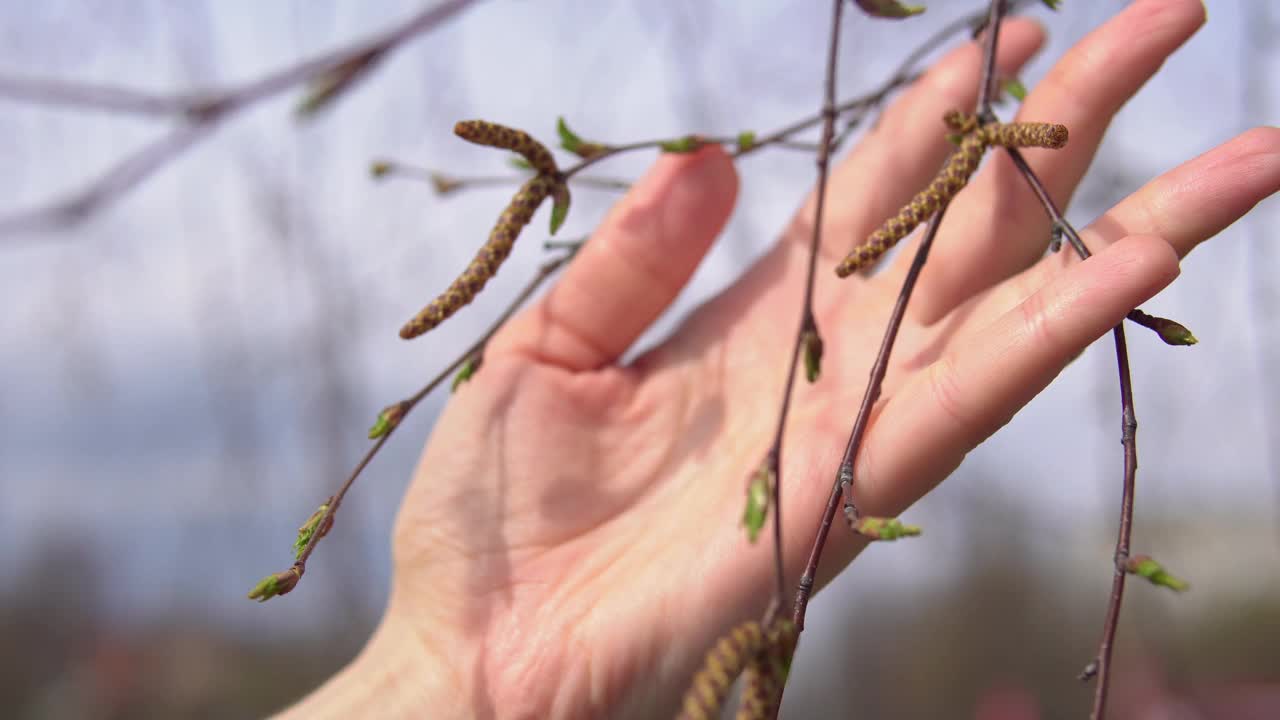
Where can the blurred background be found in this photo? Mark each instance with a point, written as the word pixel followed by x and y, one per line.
pixel 190 369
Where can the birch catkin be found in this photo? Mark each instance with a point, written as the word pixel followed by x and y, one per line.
pixel 482 132
pixel 722 666
pixel 486 262
pixel 945 185
pixel 955 174
pixel 1015 134
pixel 766 674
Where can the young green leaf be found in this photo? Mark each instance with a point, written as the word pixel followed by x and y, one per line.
pixel 891 9
pixel 559 206
pixel 568 139
pixel 812 343
pixel 465 373
pixel 759 491
pixel 309 528
pixel 571 142
pixel 1014 87
pixel 746 140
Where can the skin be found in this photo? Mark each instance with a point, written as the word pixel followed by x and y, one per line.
pixel 570 545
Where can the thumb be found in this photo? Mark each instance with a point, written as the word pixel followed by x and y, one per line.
pixel 633 266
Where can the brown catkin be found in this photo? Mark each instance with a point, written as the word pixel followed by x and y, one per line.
pixel 486 262
pixel 1016 134
pixel 975 139
pixel 962 122
pixel 722 666
pixel 953 176
pixel 766 674
pixel 1025 134
pixel 759 693
pixel 482 132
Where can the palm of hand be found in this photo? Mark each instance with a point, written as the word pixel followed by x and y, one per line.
pixel 572 543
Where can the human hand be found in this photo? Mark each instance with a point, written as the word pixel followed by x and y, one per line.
pixel 571 544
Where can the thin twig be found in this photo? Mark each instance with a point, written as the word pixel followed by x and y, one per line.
pixel 203 102
pixel 1063 228
pixel 446 184
pixel 1128 435
pixel 546 270
pixel 1101 664
pixel 781 137
pixel 991 40
pixel 806 323
pixel 81 96
pixel 117 180
pixel 205 108
pixel 974 22
pixel 845 473
pixel 197 113
pixel 844 476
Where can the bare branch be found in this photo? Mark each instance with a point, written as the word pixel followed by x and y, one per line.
pixel 111 184
pixel 197 112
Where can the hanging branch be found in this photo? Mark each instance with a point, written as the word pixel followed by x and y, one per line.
pixel 977 133
pixel 445 184
pixel 1128 437
pixel 198 113
pixel 761 697
pixel 887 528
pixel 1172 333
pixel 808 339
pixel 1169 331
pixel 951 179
pixel 513 219
pixel 388 420
pixel 329 74
pixel 766 679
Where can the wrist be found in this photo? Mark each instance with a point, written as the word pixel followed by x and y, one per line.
pixel 395 676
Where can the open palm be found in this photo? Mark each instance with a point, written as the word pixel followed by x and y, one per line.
pixel 571 543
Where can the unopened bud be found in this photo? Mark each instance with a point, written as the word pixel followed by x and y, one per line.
pixel 444 184
pixel 881 528
pixel 686 144
pixel 812 343
pixel 328 86
pixel 389 419
pixel 1145 566
pixel 278 584
pixel 465 373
